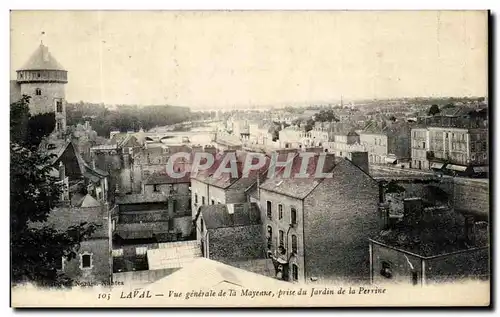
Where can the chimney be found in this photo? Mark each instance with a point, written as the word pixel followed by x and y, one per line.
pixel 62 171
pixel 383 209
pixel 316 149
pixel 211 149
pixel 113 133
pixel 413 208
pixel 126 161
pixel 360 159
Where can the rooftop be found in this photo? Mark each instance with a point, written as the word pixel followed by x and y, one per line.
pixel 438 232
pixel 173 254
pixel 299 187
pixel 141 198
pixel 230 215
pixel 41 59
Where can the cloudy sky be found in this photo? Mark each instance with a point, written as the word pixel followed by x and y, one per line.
pixel 239 59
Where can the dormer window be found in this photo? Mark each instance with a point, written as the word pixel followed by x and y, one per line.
pixel 38 92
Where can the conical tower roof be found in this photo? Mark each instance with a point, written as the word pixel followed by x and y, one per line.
pixel 41 59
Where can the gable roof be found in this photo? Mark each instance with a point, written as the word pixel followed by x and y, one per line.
pixel 226 179
pixel 41 59
pixel 88 201
pixel 61 218
pixel 298 187
pixel 218 216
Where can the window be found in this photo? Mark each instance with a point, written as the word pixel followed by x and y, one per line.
pixel 473 157
pixel 484 146
pixel 473 146
pixel 113 225
pixel 195 198
pixel 38 75
pixel 156 188
pixel 423 145
pixel 59 106
pixel 174 205
pixel 86 261
pixel 294 244
pixel 293 215
pixel 446 135
pixel 269 211
pixel 141 250
pixel 269 237
pixel 295 272
pixel 280 211
pixel 386 270
pixel 38 92
pixel 59 125
pixel 203 200
pixel 201 225
pixel 281 238
pixel 213 201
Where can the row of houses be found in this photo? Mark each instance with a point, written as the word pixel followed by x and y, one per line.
pixel 304 230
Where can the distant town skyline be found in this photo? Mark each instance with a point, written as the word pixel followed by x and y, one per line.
pixel 244 59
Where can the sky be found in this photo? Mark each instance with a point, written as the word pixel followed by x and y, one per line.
pixel 217 59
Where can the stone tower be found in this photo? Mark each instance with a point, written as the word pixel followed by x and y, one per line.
pixel 44 79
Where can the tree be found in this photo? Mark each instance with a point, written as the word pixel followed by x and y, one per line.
pixel 433 110
pixel 36 250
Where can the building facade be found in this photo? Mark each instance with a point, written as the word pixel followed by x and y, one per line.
pixel 310 224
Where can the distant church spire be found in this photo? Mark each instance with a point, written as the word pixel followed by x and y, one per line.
pixel 41 37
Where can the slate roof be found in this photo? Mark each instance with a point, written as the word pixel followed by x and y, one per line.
pixel 298 187
pixel 437 233
pixel 225 179
pixel 41 59
pixel 218 216
pixel 164 178
pixel 140 198
pixel 61 218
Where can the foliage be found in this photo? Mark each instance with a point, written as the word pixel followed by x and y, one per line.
pixel 326 116
pixel 124 118
pixel 433 110
pixel 27 130
pixel 36 250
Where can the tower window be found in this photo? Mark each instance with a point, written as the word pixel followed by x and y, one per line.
pixel 86 261
pixel 59 126
pixel 38 92
pixel 59 106
pixel 39 75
